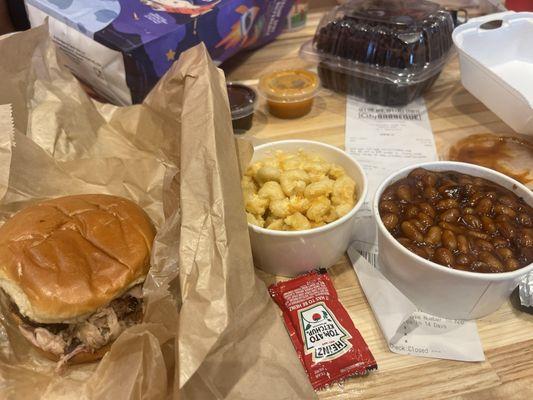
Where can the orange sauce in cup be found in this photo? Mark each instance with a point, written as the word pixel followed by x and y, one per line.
pixel 289 93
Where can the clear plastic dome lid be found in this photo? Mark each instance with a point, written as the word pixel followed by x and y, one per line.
pixel 392 12
pixel 402 41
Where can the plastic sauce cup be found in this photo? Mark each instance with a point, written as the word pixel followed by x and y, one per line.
pixel 242 101
pixel 289 93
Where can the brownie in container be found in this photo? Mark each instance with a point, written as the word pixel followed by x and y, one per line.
pixel 384 51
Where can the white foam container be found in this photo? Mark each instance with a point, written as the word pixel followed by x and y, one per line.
pixel 290 253
pixel 436 289
pixel 497 65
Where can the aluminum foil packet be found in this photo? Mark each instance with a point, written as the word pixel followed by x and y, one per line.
pixel 526 290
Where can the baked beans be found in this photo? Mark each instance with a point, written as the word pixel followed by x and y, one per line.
pixel 460 221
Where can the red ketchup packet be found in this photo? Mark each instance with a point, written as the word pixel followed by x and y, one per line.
pixel 323 334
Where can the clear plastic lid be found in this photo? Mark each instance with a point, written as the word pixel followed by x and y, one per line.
pixel 241 100
pixel 402 41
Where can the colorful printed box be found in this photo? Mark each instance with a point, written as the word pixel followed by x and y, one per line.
pixel 122 47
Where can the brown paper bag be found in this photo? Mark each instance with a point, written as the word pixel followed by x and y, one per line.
pixel 57 144
pixel 175 156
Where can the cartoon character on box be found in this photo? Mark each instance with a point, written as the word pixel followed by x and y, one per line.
pixel 181 6
pixel 241 33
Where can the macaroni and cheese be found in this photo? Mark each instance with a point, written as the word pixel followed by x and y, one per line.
pixel 296 191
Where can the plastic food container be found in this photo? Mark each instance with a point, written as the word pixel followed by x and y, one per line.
pixel 242 101
pixel 497 65
pixel 290 253
pixel 384 51
pixel 439 290
pixel 289 93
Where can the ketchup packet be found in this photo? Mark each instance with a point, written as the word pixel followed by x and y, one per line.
pixel 325 338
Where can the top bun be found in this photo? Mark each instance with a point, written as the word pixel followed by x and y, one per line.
pixel 62 259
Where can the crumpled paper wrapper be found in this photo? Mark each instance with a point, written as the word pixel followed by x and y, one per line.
pixel 174 155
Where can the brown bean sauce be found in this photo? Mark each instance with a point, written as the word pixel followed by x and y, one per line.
pixel 495 152
pixel 460 221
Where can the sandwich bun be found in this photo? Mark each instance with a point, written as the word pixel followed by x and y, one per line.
pixel 62 259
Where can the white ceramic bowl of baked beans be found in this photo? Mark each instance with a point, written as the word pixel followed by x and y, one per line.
pixel 434 288
pixel 290 253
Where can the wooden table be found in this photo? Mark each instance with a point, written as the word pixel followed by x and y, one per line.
pixel 507 335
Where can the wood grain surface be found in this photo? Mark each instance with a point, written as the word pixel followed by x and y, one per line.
pixel 507 335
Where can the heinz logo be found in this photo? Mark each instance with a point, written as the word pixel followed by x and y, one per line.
pixel 324 337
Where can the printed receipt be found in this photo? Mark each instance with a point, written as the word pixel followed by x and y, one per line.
pixel 407 330
pixel 384 140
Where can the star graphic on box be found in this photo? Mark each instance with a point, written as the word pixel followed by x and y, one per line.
pixel 170 55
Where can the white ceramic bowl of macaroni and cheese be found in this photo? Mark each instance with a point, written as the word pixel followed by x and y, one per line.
pixel 290 253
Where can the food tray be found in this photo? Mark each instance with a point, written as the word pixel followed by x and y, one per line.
pixel 497 65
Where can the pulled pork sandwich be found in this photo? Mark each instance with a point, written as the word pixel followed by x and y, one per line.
pixel 71 271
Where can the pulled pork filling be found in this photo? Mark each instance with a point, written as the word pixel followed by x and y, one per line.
pixel 100 328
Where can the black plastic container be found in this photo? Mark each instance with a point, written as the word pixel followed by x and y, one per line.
pixel 384 51
pixel 242 101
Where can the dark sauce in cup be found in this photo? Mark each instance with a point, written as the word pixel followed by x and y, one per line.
pixel 242 101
